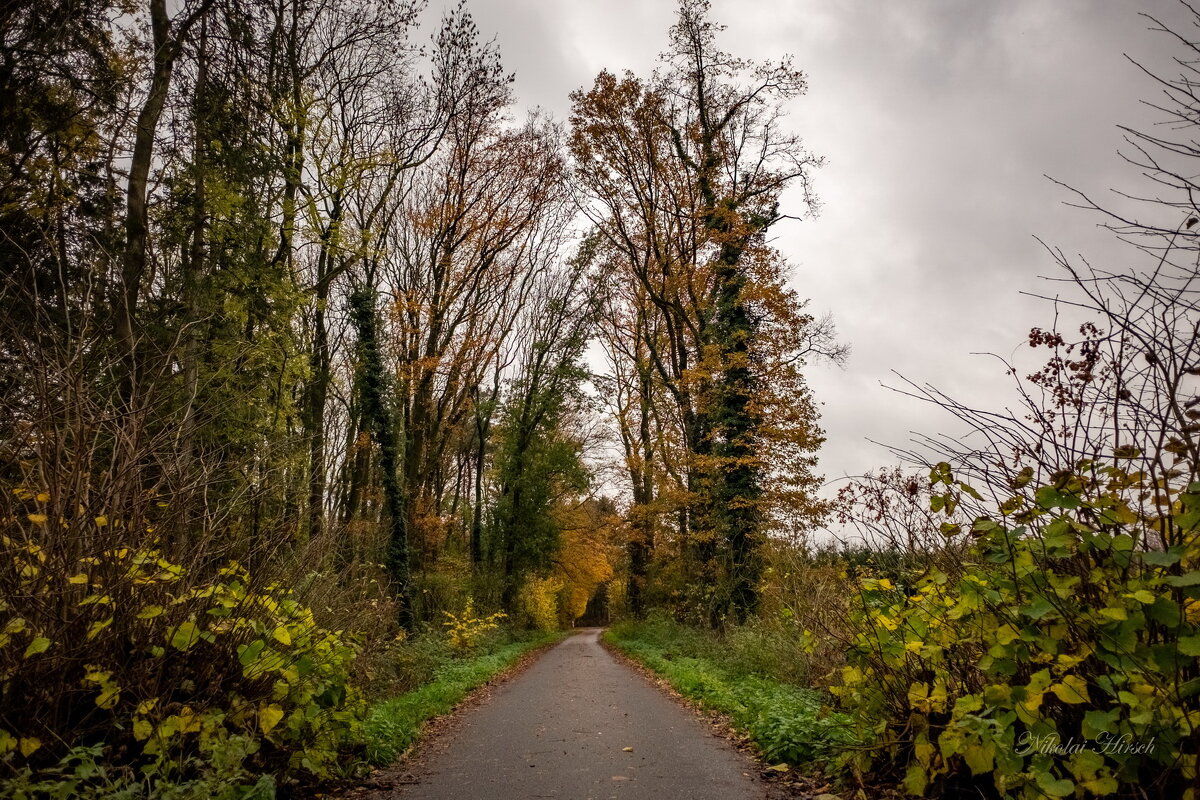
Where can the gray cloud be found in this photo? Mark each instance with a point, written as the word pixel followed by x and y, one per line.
pixel 938 120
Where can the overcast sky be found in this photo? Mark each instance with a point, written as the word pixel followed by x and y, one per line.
pixel 938 121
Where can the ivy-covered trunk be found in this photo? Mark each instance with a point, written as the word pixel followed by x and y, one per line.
pixel 377 411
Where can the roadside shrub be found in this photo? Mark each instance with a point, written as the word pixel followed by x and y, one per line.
pixel 173 677
pixel 1061 662
pixel 465 631
pixel 538 602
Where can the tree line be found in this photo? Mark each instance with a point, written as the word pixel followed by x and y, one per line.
pixel 292 282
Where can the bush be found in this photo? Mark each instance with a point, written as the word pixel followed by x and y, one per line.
pixel 538 603
pixel 1061 663
pixel 172 678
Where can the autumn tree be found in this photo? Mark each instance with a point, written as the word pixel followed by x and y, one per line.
pixel 685 174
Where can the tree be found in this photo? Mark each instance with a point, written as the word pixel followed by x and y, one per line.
pixel 685 174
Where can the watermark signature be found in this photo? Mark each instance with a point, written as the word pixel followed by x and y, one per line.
pixel 1106 743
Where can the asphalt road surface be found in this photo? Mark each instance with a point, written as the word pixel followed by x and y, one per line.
pixel 560 729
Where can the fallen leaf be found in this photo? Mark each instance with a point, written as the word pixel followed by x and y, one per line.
pixel 627 749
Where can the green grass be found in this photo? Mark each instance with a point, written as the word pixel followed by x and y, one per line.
pixel 785 722
pixel 393 725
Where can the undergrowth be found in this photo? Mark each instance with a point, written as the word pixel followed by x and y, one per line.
pixel 786 722
pixel 392 726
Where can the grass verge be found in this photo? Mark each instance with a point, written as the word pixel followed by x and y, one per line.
pixel 786 723
pixel 393 725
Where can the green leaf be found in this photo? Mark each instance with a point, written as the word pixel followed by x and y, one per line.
pixel 1162 558
pixel 1144 597
pixel 915 780
pixel 185 636
pixel 1049 497
pixel 1062 787
pixel 1189 579
pixel 1097 722
pixel 1189 645
pixel 1039 608
pixel 248 653
pixel 1072 689
pixel 1006 634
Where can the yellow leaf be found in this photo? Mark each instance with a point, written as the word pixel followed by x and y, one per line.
pixel 8 742
pixel 30 745
pixel 282 636
pixel 1006 634
pixel 150 612
pixel 885 583
pixel 268 717
pixel 142 729
pixel 80 578
pixel 94 674
pixel 189 721
pixel 39 645
pixel 38 519
pixel 101 521
pixel 43 497
pixel 1072 689
pixel 109 695
pixel 96 627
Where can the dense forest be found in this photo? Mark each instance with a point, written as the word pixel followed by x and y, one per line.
pixel 329 377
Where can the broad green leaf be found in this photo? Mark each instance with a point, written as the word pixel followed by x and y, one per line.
pixel 1189 645
pixel 1189 579
pixel 1097 722
pixel 185 636
pixel 915 780
pixel 1061 787
pixel 248 654
pixel 1163 558
pixel 1142 596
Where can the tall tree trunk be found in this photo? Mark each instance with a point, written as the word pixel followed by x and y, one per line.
pixel 133 263
pixel 377 410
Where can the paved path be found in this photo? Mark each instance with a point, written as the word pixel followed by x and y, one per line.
pixel 559 730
